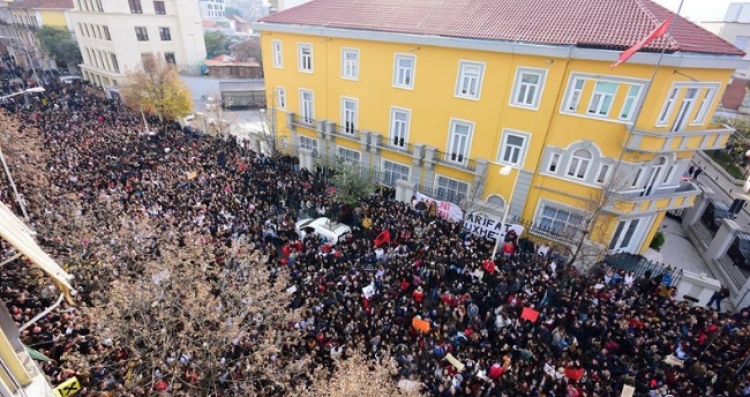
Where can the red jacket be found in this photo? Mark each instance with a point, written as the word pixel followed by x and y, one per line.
pixel 418 295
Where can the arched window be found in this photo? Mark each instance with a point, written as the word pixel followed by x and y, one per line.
pixel 579 164
pixel 496 200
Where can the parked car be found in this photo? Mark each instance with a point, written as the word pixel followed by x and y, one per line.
pixel 739 251
pixel 330 230
pixel 715 212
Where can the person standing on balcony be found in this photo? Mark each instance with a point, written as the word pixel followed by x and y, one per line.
pixel 696 173
pixel 719 296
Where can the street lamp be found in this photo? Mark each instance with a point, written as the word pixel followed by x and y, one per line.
pixel 505 171
pixel 32 90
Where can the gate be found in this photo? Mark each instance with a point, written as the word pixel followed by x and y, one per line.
pixel 642 266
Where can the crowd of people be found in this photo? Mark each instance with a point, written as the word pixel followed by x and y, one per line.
pixel 71 148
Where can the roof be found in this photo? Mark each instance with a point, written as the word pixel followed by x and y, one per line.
pixel 605 24
pixel 48 4
pixel 236 18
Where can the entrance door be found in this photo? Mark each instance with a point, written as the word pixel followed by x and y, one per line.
pixel 653 177
pixel 626 236
pixel 683 113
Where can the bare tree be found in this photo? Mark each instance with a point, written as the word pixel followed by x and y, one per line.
pixel 216 119
pixel 247 50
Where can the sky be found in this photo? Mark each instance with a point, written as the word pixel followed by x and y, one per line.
pixel 700 10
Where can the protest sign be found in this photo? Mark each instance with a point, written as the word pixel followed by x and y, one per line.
pixel 420 325
pixel 67 388
pixel 454 362
pixel 529 314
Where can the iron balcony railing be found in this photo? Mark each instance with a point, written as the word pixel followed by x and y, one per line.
pixel 396 144
pixel 304 121
pixel 347 131
pixel 455 159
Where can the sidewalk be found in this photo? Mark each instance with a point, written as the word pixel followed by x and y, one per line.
pixel 678 251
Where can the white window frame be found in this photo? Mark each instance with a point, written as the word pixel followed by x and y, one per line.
pixel 607 169
pixel 345 159
pixel 278 53
pixel 518 84
pixel 705 104
pixel 301 58
pixel 573 100
pixel 556 160
pixel 281 97
pixel 396 70
pixel 602 95
pixel 631 102
pixel 452 137
pixel 522 150
pixel 383 163
pixel 668 107
pixel 462 79
pixel 589 162
pixel 393 127
pixel 344 117
pixel 349 69
pixel 569 230
pixel 302 117
pixel 305 142
pixel 438 177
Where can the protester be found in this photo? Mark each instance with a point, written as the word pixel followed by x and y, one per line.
pixel 521 325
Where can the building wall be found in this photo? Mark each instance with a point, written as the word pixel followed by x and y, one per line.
pixel 547 128
pixel 182 17
pixel 54 18
pixel 730 31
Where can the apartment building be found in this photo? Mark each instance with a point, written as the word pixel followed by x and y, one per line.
pixel 212 9
pixel 115 36
pixel 445 96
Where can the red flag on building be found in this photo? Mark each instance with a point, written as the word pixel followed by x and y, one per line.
pixel 660 30
pixel 383 238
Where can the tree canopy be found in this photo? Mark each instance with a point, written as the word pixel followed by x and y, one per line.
pixel 156 88
pixel 60 45
pixel 217 43
pixel 232 11
pixel 248 49
pixel 352 183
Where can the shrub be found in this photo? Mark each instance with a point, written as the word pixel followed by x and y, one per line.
pixel 658 241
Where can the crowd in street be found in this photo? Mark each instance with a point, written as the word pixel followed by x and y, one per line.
pixel 594 334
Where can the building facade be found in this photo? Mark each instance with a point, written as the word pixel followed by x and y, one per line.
pixel 212 9
pixel 444 100
pixel 115 37
pixel 19 22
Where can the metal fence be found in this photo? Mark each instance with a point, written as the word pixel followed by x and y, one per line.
pixel 736 259
pixel 644 267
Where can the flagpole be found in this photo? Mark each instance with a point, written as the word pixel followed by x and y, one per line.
pixel 631 129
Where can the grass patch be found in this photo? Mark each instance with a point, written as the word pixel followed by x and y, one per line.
pixel 722 158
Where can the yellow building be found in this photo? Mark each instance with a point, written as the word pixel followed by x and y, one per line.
pixel 19 22
pixel 443 96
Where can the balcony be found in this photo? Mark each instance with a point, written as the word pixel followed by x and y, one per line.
pixel 455 160
pixel 301 121
pixel 346 132
pixel 395 144
pixel 714 137
pixel 663 199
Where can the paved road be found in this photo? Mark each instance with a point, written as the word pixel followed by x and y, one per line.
pixel 724 189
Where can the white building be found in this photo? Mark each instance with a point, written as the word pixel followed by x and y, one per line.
pixel 281 5
pixel 212 9
pixel 114 37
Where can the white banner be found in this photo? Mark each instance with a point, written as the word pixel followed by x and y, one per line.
pixel 477 223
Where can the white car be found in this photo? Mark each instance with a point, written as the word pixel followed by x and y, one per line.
pixel 330 230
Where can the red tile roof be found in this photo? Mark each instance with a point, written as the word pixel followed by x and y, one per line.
pixel 609 24
pixel 44 4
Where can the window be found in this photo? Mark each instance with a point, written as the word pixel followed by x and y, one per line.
pixel 349 115
pixel 349 156
pixel 159 8
pixel 469 83
pixel 575 95
pixel 281 97
pixel 165 34
pixel 135 6
pixel 459 142
pixel 141 33
pixel 637 178
pixel 559 222
pixel 115 65
pixel 305 58
pixel 393 172
pixel 450 189
pixel 579 164
pixel 350 63
pixel 106 33
pixel 308 143
pixel 528 87
pixel 603 174
pixel 99 32
pixel 278 54
pixel 627 108
pixel 741 42
pixel 553 161
pixel 512 149
pixel 147 59
pixel 86 26
pixel 668 175
pixel 706 102
pixel 668 106
pixel 306 107
pixel 601 100
pixel 403 73
pixel 169 57
pixel 400 119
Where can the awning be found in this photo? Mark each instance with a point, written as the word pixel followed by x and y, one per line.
pixel 18 235
pixel 36 355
